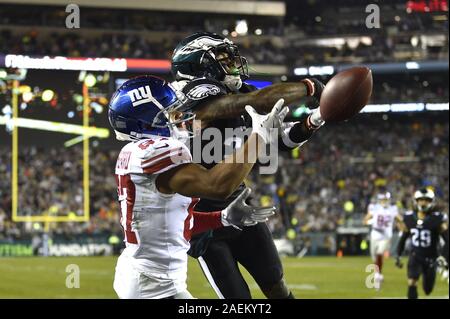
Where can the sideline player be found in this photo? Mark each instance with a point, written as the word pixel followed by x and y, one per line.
pixel 381 215
pixel 424 225
pixel 159 186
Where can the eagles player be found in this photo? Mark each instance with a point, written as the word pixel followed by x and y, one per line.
pixel 424 225
pixel 209 70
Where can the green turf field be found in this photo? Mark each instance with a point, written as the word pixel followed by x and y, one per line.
pixel 310 277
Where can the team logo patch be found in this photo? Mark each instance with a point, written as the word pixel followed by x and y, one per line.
pixel 203 90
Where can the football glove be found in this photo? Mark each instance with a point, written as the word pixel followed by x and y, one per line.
pixel 238 214
pixel 262 124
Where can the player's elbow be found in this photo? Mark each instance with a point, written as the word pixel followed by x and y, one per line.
pixel 220 192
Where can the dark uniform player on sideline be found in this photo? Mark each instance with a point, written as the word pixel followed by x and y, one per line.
pixel 424 225
pixel 209 71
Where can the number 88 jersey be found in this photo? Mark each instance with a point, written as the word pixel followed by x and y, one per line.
pixel 425 232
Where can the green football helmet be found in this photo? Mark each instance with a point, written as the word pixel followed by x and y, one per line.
pixel 209 55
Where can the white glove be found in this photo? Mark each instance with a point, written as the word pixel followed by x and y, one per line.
pixel 238 214
pixel 262 124
pixel 315 119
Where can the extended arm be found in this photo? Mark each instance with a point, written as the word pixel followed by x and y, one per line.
pixel 232 105
pixel 401 243
pixel 221 181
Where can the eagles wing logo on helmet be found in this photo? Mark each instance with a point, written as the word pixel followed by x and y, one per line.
pixel 203 90
pixel 202 43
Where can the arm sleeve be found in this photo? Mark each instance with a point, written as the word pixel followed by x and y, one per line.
pixel 401 243
pixel 206 221
pixel 294 134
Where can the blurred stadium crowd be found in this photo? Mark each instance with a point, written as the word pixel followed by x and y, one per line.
pixel 379 47
pixel 309 34
pixel 327 184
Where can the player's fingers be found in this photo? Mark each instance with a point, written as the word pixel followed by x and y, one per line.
pixel 277 107
pixel 262 216
pixel 250 110
pixel 245 193
pixel 265 211
pixel 283 113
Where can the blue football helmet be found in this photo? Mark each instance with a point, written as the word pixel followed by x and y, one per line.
pixel 143 106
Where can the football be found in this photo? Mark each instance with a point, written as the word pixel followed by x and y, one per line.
pixel 346 94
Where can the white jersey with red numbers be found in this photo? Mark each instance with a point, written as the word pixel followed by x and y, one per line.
pixel 156 226
pixel 383 219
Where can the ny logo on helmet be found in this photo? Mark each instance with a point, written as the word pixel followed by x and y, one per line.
pixel 141 95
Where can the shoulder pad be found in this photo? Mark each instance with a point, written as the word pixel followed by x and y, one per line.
pixel 200 89
pixel 156 156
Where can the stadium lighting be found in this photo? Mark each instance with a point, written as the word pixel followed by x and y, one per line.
pixel 437 106
pixel 241 27
pixel 27 96
pixel 47 95
pixel 90 80
pixel 321 70
pixel 7 110
pixel 405 107
pixel 24 88
pixel 315 70
pixel 56 127
pixel 412 65
pixel 301 71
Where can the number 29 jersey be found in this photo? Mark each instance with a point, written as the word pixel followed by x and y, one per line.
pixel 424 233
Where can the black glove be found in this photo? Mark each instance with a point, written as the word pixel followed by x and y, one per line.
pixel 398 263
pixel 314 88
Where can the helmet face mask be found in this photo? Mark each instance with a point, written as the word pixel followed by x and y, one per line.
pixel 424 200
pixel 230 60
pixel 142 108
pixel 211 56
pixel 384 199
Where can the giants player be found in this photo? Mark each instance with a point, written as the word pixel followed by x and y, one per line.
pixel 381 215
pixel 424 225
pixel 159 186
pixel 209 70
